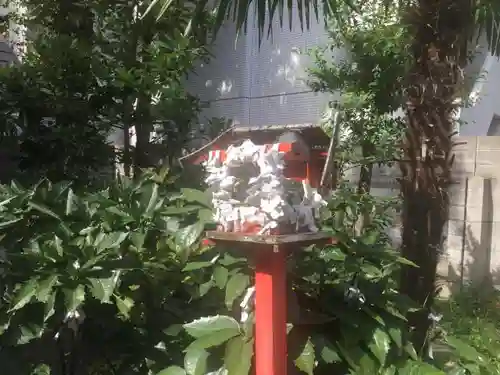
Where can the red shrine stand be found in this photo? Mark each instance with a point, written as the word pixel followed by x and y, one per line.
pixel 305 149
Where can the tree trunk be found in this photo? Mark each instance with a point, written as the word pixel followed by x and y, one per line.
pixel 438 27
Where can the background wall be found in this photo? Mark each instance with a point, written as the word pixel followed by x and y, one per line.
pixel 262 84
pixel 472 243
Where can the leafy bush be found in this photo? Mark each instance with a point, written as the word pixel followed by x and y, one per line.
pixel 471 319
pixel 114 257
pixel 116 282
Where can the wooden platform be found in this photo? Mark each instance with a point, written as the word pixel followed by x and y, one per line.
pixel 269 239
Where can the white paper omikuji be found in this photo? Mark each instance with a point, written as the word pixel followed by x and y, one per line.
pixel 264 203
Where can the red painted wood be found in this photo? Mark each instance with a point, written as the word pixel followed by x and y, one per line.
pixel 270 312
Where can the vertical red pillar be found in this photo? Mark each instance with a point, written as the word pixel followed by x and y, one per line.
pixel 270 311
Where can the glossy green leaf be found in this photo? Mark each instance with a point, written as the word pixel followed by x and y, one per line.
pixel 380 345
pixel 198 196
pixel 458 371
pixel 187 236
pixel 8 223
pixel 238 356
pixel 173 330
pixel 205 288
pixel 325 349
pixel 220 276
pixel 209 325
pixel 152 201
pixel 124 305
pixel 206 215
pixel 195 361
pixel 45 287
pixel 24 294
pixel 70 201
pixel 306 360
pixel 42 369
pixel 103 289
pixel 112 240
pixel 58 246
pixel 214 339
pixel 419 368
pixel 172 370
pixel 138 238
pixel 465 351
pixel 396 335
pixel 49 306
pixel 196 266
pixel 29 331
pixel 43 209
pixel 411 351
pixel 73 298
pixel 235 287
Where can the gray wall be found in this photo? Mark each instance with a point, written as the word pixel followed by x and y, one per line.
pixel 261 85
pixel 6 54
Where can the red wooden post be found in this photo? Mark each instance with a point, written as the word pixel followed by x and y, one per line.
pixel 270 253
pixel 270 311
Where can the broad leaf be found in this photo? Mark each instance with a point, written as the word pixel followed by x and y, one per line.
pixel 326 350
pixel 111 240
pixel 235 287
pixel 173 330
pixel 396 336
pixel 172 370
pixel 205 288
pixel 70 201
pixel 198 196
pixel 466 351
pixel 42 369
pixel 43 209
pixel 209 325
pixel 220 276
pixel 103 289
pixel 74 297
pixel 153 199
pixel 124 305
pixel 419 368
pixel 25 294
pixel 44 289
pixel 8 223
pixel 214 339
pixel 238 356
pixel 380 345
pixel 49 306
pixel 138 238
pixel 187 236
pixel 195 361
pixel 305 361
pixel 196 266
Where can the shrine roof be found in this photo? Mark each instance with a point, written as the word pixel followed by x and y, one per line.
pixel 313 135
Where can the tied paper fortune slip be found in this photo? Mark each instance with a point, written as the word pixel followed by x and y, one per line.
pixel 250 192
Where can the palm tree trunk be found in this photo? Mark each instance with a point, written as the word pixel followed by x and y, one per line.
pixel 438 26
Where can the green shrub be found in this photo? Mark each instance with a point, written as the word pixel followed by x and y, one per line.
pixel 116 282
pixel 473 317
pixel 115 256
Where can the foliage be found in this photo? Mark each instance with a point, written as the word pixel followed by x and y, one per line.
pixel 349 315
pixel 471 317
pixel 115 257
pixel 369 79
pixel 127 259
pixel 95 69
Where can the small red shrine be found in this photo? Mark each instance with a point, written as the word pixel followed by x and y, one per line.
pixel 264 182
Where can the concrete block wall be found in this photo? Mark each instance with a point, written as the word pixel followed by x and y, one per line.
pixel 473 234
pixel 472 243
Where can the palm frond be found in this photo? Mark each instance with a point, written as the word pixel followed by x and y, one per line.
pixel 265 11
